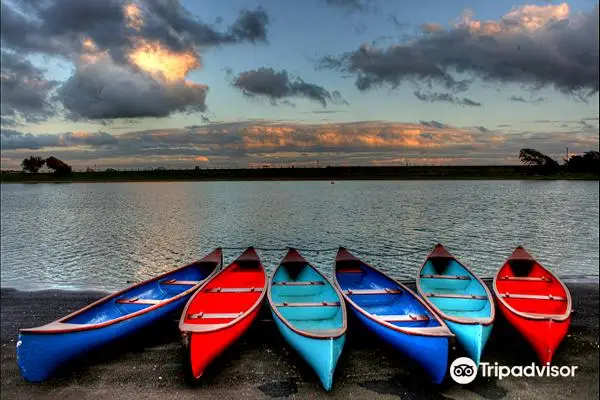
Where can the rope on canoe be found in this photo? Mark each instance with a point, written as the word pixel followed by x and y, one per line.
pixel 332 249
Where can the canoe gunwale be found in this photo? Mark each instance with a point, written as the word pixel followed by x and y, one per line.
pixel 313 334
pixel 187 329
pixel 533 316
pixel 439 331
pixel 58 326
pixel 465 321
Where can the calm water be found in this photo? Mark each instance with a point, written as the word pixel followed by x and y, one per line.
pixel 102 235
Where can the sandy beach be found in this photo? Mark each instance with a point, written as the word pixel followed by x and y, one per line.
pixel 262 365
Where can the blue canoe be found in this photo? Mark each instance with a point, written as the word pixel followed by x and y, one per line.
pixel 394 313
pixel 310 314
pixel 458 296
pixel 43 350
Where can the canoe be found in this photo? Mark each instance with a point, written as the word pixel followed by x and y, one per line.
pixel 43 350
pixel 394 313
pixel 222 310
pixel 534 301
pixel 458 296
pixel 310 314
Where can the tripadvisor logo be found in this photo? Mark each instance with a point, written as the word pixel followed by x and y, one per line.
pixel 463 370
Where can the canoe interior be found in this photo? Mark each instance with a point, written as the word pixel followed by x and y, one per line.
pixel 549 285
pixel 236 297
pixel 153 290
pixel 455 307
pixel 355 275
pixel 313 318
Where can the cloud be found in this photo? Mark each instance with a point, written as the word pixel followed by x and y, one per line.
pixel 278 85
pixel 531 45
pixel 131 58
pixel 521 99
pixel 11 140
pixel 361 6
pixel 25 91
pixel 445 97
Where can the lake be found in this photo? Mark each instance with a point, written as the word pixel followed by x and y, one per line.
pixel 102 235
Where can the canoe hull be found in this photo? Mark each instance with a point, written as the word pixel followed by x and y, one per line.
pixel 472 337
pixel 322 354
pixel 39 356
pixel 204 347
pixel 544 335
pixel 430 352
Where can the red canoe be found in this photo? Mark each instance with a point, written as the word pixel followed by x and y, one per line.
pixel 222 310
pixel 534 301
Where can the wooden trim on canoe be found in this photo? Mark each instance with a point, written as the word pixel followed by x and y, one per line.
pixel 310 333
pixel 455 277
pixel 402 318
pixel 232 290
pixel 186 328
pixel 532 297
pixel 441 330
pixel 137 300
pixel 321 304
pixel 203 315
pixel 439 249
pixel 61 327
pixel 526 278
pixel 299 283
pixel 373 291
pixel 533 316
pixel 456 296
pixel 176 282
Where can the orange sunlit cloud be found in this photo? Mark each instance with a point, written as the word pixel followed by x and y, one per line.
pixel 133 16
pixel 162 63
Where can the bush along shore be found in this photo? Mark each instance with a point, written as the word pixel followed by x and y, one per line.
pixel 328 173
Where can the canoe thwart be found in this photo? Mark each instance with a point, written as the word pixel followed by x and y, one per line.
pixel 457 277
pixel 456 296
pixel 203 315
pixel 348 270
pixel 403 318
pixel 526 278
pixel 137 300
pixel 321 304
pixel 373 291
pixel 299 283
pixel 233 290
pixel 176 282
pixel 532 297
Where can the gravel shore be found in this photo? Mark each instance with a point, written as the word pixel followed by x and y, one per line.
pixel 262 365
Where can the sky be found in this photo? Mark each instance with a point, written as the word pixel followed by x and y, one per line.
pixel 169 83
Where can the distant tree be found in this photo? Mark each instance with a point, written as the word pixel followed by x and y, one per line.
pixel 33 164
pixel 59 166
pixel 588 162
pixel 541 161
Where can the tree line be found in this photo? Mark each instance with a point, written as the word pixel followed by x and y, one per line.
pixel 586 162
pixel 33 165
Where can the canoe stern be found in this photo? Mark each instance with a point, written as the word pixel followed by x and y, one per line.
pixel 472 337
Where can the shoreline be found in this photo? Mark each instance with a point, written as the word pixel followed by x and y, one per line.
pixel 262 365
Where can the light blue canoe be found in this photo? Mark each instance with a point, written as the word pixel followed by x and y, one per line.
pixel 394 313
pixel 309 313
pixel 43 350
pixel 459 297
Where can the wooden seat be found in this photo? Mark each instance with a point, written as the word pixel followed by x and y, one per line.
pixel 203 315
pixel 457 277
pixel 176 282
pixel 532 297
pixel 526 278
pixel 299 283
pixel 137 300
pixel 350 271
pixel 373 291
pixel 233 290
pixel 403 318
pixel 321 304
pixel 456 296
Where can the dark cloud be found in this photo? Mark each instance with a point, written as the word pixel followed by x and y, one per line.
pixel 483 129
pixel 11 140
pixel 531 45
pixel 362 6
pixel 521 99
pixel 104 90
pixel 278 85
pixel 434 124
pixel 100 36
pixel 24 90
pixel 434 97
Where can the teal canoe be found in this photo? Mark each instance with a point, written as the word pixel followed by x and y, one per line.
pixel 310 314
pixel 458 296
